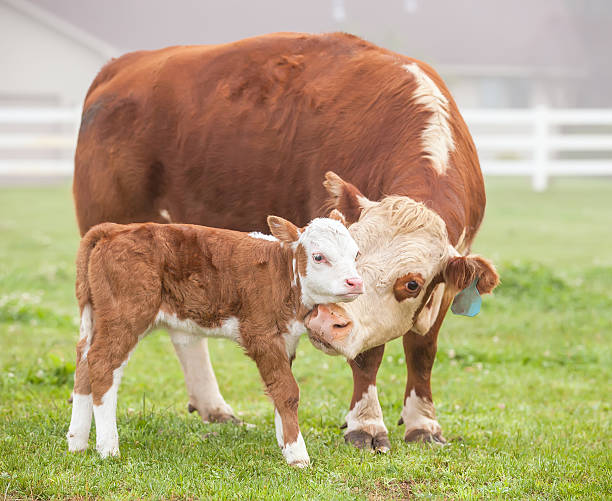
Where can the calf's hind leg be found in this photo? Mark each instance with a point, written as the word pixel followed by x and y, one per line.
pixel 80 422
pixel 202 387
pixel 107 358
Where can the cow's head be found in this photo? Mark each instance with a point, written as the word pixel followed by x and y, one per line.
pixel 409 267
pixel 324 256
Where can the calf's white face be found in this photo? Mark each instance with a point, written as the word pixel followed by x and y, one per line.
pixel 324 259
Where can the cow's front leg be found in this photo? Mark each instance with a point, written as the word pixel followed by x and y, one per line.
pixel 419 414
pixel 275 369
pixel 202 387
pixel 365 427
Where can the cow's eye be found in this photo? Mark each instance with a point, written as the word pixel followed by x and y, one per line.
pixel 412 285
pixel 318 258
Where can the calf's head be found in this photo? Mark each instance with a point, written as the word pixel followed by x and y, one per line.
pixel 409 267
pixel 324 256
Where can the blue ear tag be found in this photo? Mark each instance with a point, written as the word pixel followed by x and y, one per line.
pixel 468 301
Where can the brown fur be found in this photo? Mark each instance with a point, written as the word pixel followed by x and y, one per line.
pixel 224 135
pixel 129 273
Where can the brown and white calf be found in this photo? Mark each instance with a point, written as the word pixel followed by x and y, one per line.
pixel 197 281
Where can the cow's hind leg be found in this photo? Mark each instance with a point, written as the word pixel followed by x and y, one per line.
pixel 365 427
pixel 202 387
pixel 80 423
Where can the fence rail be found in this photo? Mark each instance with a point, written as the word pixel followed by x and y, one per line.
pixel 537 142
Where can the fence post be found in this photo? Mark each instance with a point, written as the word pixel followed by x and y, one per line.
pixel 539 180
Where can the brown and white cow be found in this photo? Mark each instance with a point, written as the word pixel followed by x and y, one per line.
pixel 198 281
pixel 223 135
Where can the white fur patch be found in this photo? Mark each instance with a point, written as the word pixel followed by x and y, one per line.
pixel 263 236
pixel 86 329
pixel 278 428
pixel 80 423
pixel 229 329
pixel 107 438
pixel 296 453
pixel 437 137
pixel 366 415
pixel 295 330
pixel 165 214
pixel 419 414
pixel 326 282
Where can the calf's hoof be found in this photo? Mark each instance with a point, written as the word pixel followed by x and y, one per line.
pixel 106 451
pixel 363 440
pixel 77 443
pixel 301 463
pixel 215 416
pixel 424 436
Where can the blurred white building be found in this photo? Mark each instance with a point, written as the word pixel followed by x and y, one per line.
pixel 493 53
pixel 44 59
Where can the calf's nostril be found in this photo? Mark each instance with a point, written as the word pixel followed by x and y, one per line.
pixel 354 283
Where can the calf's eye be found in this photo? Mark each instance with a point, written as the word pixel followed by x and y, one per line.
pixel 318 258
pixel 412 285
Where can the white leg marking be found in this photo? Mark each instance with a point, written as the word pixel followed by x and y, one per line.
pixel 296 453
pixel 80 423
pixel 366 415
pixel 86 328
pixel 437 137
pixel 419 414
pixel 278 427
pixel 107 439
pixel 200 378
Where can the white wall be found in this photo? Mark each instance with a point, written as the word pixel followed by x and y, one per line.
pixel 37 59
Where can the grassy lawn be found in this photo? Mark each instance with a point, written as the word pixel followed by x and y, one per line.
pixel 523 391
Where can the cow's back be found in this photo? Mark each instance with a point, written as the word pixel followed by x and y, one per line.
pixel 225 135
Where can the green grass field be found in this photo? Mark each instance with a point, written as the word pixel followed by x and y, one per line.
pixel 523 391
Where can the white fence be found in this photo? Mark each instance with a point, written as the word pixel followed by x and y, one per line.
pixel 543 142
pixel 538 142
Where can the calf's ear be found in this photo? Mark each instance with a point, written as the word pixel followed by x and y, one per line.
pixel 345 197
pixel 461 271
pixel 282 229
pixel 338 216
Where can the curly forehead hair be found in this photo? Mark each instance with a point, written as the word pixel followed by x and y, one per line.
pixel 413 227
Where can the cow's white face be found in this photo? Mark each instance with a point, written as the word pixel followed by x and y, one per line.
pixel 324 259
pixel 325 262
pixel 406 262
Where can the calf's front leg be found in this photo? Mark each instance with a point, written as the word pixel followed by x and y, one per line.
pixel 275 369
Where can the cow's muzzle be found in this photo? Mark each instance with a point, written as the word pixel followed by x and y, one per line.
pixel 328 326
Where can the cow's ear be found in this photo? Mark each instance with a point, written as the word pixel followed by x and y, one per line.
pixel 338 216
pixel 282 229
pixel 345 197
pixel 461 271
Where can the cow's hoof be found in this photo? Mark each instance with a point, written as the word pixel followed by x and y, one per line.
pixel 363 440
pixel 380 443
pixel 215 416
pixel 424 436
